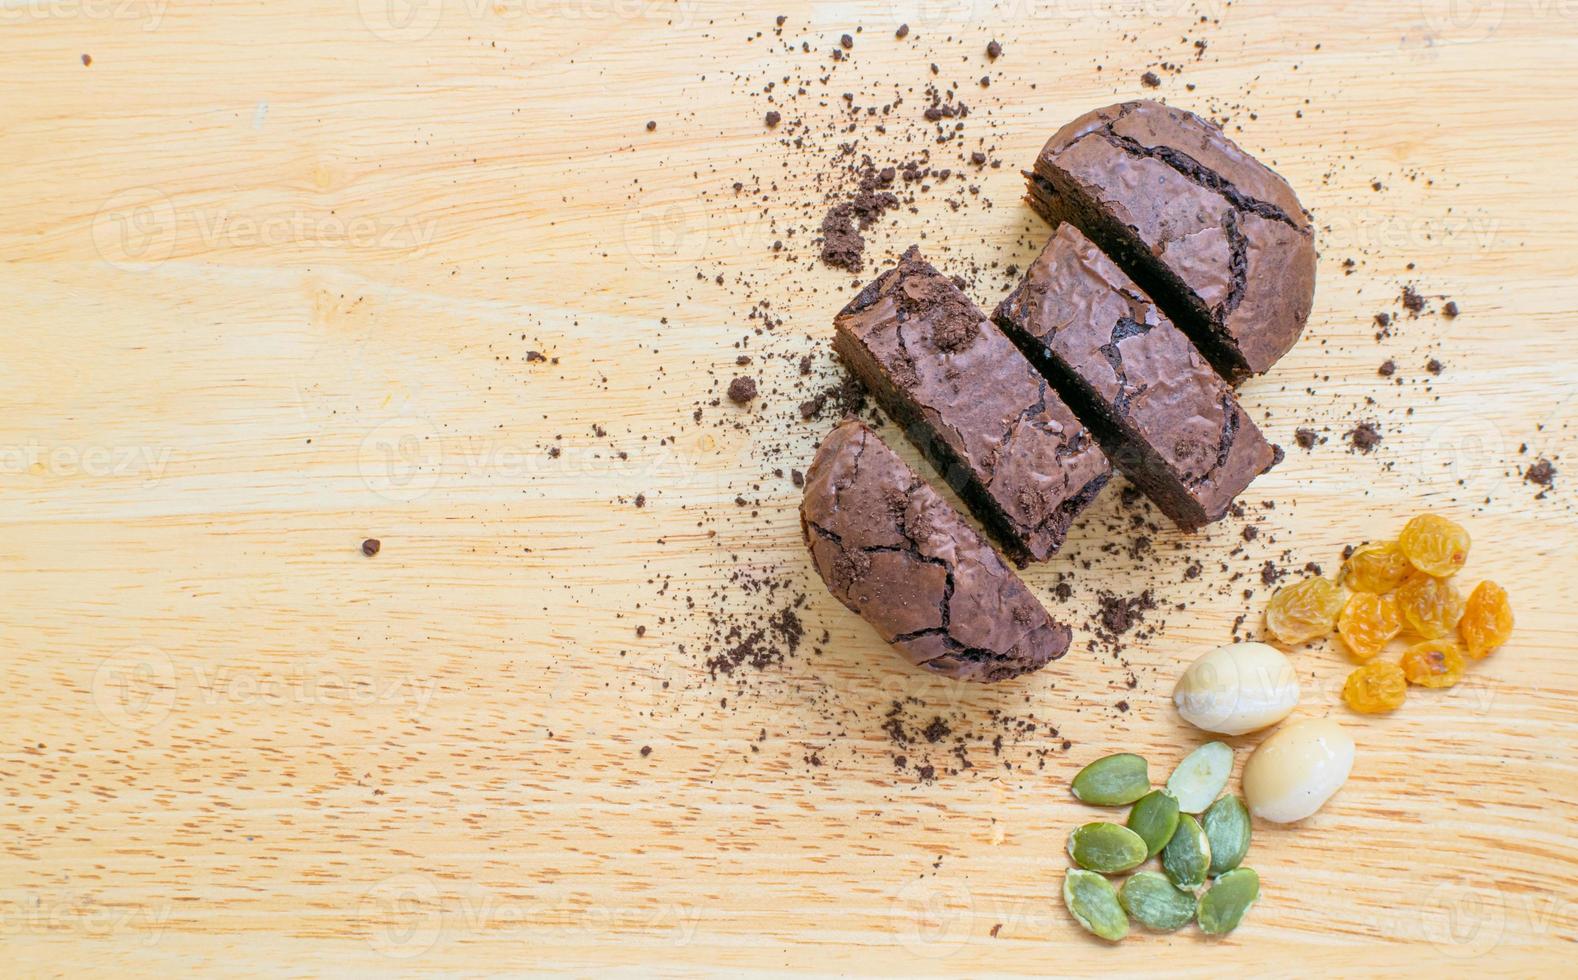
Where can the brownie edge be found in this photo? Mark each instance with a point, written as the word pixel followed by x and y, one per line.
pixel 976 409
pixel 1217 239
pixel 891 549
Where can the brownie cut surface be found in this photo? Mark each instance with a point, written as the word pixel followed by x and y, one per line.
pixel 891 549
pixel 1166 420
pixel 979 412
pixel 1216 238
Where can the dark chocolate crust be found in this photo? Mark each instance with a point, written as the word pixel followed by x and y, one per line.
pixel 1217 239
pixel 1165 418
pixel 891 549
pixel 995 430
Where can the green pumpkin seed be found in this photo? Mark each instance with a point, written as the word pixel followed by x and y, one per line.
pixel 1187 857
pixel 1094 905
pixel 1154 818
pixel 1229 898
pixel 1226 824
pixel 1114 780
pixel 1153 902
pixel 1200 778
pixel 1106 847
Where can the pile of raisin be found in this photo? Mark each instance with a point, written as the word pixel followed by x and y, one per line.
pixel 1398 588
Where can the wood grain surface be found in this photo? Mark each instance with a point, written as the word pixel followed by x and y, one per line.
pixel 270 275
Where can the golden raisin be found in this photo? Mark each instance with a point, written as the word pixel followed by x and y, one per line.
pixel 1487 620
pixel 1431 606
pixel 1367 622
pixel 1304 610
pixel 1433 663
pixel 1435 545
pixel 1376 688
pixel 1379 566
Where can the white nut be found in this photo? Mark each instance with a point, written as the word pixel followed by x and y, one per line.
pixel 1237 688
pixel 1296 770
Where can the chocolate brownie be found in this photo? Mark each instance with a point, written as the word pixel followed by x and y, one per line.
pixel 972 404
pixel 891 549
pixel 1217 239
pixel 1165 419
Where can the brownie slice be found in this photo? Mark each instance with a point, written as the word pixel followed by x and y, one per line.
pixel 1217 239
pixel 993 427
pixel 1164 417
pixel 891 549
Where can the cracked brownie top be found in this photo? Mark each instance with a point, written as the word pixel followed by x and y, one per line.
pixel 891 549
pixel 1228 244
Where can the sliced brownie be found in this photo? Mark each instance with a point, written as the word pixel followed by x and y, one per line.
pixel 1166 420
pixel 1217 239
pixel 973 405
pixel 893 551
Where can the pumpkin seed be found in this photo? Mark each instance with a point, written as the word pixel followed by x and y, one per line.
pixel 1200 778
pixel 1114 780
pixel 1107 847
pixel 1094 905
pixel 1226 824
pixel 1153 902
pixel 1155 818
pixel 1187 857
pixel 1229 898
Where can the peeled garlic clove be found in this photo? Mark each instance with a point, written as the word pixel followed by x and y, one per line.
pixel 1237 688
pixel 1297 769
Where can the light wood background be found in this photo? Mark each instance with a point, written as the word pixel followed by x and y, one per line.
pixel 267 268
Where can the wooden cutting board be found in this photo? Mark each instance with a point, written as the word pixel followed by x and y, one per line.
pixel 271 273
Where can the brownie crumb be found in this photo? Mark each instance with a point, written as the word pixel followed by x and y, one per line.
pixel 1542 473
pixel 370 547
pixel 773 118
pixel 1434 366
pixel 993 50
pixel 847 42
pixel 903 32
pixel 651 125
pixel 1151 80
pixel 641 500
pixel 1450 310
pixel 646 750
pixel 1306 438
pixel 842 246
pixel 1412 301
pixel 936 730
pixel 87 61
pixel 1119 614
pixel 1388 368
pixel 1364 436
pixel 742 389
